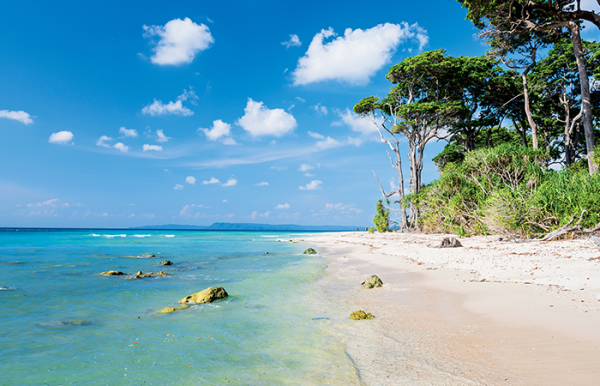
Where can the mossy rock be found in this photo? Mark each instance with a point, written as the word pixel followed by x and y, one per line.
pixel 310 251
pixel 372 282
pixel 360 315
pixel 208 295
pixel 168 310
pixel 161 273
pixel 166 262
pixel 113 273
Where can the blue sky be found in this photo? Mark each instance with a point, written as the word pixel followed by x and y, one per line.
pixel 116 114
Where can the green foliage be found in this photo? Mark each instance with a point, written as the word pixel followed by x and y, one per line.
pixel 371 230
pixel 382 218
pixel 504 190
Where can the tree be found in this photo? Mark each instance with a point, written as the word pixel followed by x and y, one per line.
pixel 382 218
pixel 417 108
pixel 521 19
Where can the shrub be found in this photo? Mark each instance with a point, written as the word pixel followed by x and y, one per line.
pixel 382 218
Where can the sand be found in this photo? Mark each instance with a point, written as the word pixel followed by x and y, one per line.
pixel 491 312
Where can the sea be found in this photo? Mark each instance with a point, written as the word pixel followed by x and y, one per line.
pixel 63 323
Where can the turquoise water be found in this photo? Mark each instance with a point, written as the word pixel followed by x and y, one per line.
pixel 62 323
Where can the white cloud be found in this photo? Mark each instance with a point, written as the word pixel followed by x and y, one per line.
pixel 224 200
pixel 51 202
pixel 212 180
pixel 263 183
pixel 320 110
pixel 305 167
pixel 283 206
pixel 316 135
pixel 183 211
pixel 191 180
pixel 328 143
pixel 152 147
pixel 349 209
pixel 159 108
pixel 179 41
pixel 301 99
pixel 293 42
pixel 259 120
pixel 357 123
pixel 128 132
pixel 255 214
pixel 230 182
pixel 313 185
pixel 100 141
pixel 178 187
pixel 61 137
pixel 220 130
pixel 356 56
pixel 121 147
pixel 279 168
pixel 20 116
pixel 161 136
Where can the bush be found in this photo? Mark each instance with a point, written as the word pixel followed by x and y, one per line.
pixel 382 218
pixel 371 230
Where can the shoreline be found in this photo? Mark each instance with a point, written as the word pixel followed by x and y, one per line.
pixel 439 322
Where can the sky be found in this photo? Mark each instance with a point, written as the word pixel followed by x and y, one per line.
pixel 120 114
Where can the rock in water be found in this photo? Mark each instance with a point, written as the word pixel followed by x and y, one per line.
pixel 209 295
pixel 166 262
pixel 372 282
pixel 310 251
pixel 161 273
pixel 360 314
pixel 450 242
pixel 168 310
pixel 113 273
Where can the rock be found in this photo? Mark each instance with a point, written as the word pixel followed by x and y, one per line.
pixel 450 242
pixel 372 282
pixel 310 251
pixel 113 273
pixel 168 310
pixel 266 253
pixel 161 273
pixel 166 262
pixel 147 255
pixel 360 314
pixel 209 295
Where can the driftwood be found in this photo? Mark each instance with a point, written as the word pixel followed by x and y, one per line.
pixel 449 242
pixel 571 229
pixel 596 240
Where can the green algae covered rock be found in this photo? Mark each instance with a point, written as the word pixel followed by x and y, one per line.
pixel 166 262
pixel 113 273
pixel 161 273
pixel 168 310
pixel 360 315
pixel 310 251
pixel 372 282
pixel 208 295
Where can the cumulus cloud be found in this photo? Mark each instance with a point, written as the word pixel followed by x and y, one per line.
pixel 230 182
pixel 328 143
pixel 357 123
pixel 320 110
pixel 305 167
pixel 293 42
pixel 152 147
pixel 172 108
pixel 179 41
pixel 121 147
pixel 255 214
pixel 258 120
pixel 356 56
pixel 50 202
pixel 61 137
pixel 20 116
pixel 161 136
pixel 212 180
pixel 316 135
pixel 128 132
pixel 191 180
pixel 283 206
pixel 178 187
pixel 100 141
pixel 313 185
pixel 220 130
pixel 263 183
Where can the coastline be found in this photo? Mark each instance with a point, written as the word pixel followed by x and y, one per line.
pixel 465 316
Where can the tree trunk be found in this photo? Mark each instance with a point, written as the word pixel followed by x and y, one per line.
pixel 403 224
pixel 585 97
pixel 532 124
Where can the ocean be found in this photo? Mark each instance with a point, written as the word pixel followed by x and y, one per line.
pixel 63 323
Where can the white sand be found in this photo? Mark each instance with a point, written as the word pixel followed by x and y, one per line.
pixel 490 312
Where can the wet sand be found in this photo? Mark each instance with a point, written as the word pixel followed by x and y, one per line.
pixel 465 316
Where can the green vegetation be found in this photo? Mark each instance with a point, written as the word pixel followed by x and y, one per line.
pixel 520 124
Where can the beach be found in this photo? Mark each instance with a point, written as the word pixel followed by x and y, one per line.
pixel 489 312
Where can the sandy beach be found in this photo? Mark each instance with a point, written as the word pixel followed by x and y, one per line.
pixel 489 312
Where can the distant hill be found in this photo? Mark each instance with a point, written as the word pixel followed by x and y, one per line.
pixel 225 226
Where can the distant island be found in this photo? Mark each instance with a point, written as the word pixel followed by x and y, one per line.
pixel 225 226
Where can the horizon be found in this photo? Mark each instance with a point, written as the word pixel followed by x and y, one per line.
pixel 200 113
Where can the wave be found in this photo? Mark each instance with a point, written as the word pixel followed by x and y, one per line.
pixel 6 288
pixel 142 235
pixel 169 235
pixel 111 236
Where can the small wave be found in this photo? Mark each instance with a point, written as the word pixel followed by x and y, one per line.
pixel 6 288
pixel 111 236
pixel 95 235
pixel 269 236
pixel 142 235
pixel 169 235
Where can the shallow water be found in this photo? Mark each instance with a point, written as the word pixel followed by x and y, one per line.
pixel 62 323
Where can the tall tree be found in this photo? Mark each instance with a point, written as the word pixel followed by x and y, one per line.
pixel 523 18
